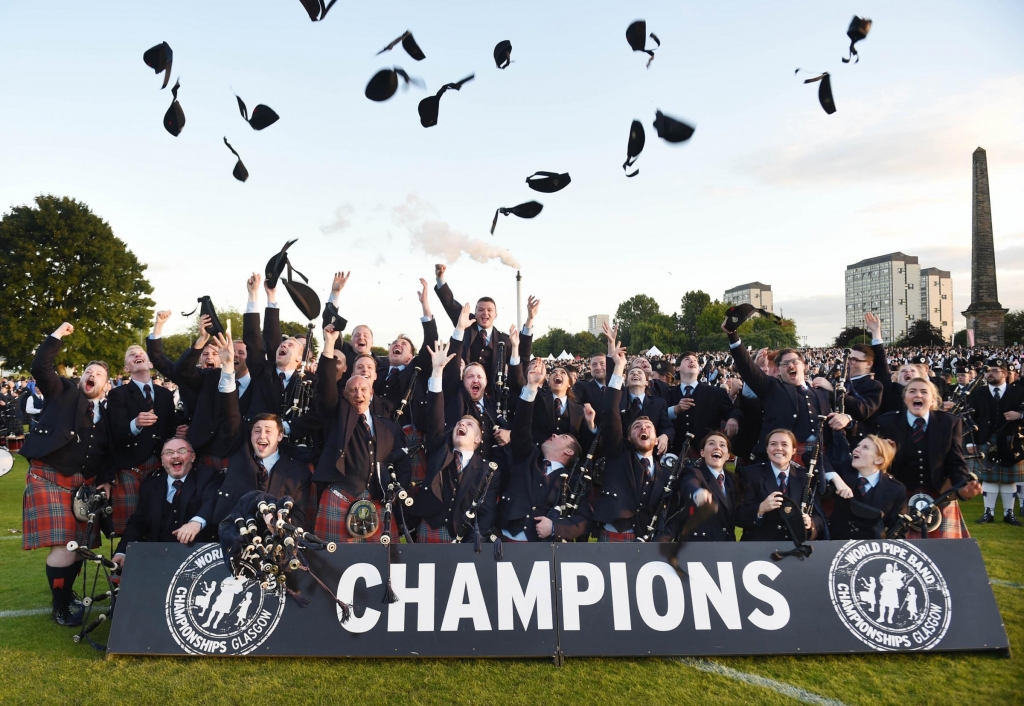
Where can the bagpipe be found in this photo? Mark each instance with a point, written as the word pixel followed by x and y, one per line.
pixel 400 410
pixel 843 381
pixel 471 520
pixel 302 398
pixel 501 384
pixel 577 482
pixel 925 513
pixel 659 519
pixel 263 546
pixel 92 506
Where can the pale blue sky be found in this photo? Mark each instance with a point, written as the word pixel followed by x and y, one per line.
pixel 770 188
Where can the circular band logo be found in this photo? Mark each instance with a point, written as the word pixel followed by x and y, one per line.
pixel 211 612
pixel 890 595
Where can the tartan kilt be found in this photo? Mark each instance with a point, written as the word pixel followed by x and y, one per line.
pixel 418 461
pixel 218 462
pixel 604 535
pixel 426 535
pixel 951 527
pixel 331 514
pixel 47 517
pixel 126 491
pixel 994 473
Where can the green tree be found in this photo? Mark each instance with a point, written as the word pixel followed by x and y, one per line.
pixel 693 304
pixel 960 338
pixel 294 328
pixel 850 335
pixel 61 262
pixel 921 333
pixel 659 330
pixel 176 344
pixel 1014 330
pixel 631 312
pixel 710 336
pixel 553 343
pixel 587 345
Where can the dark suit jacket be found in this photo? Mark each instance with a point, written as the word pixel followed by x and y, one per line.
pixel 395 390
pixel 751 416
pixel 458 403
pixel 287 477
pixel 991 422
pixel 444 499
pixel 63 422
pixel 945 450
pixel 711 408
pixel 470 346
pixel 544 419
pixel 124 404
pixel 863 400
pixel 757 482
pixel 782 404
pixel 196 500
pixel 188 392
pixel 339 422
pixel 207 432
pixel 655 408
pixel 629 497
pixel 722 526
pixel 530 492
pixel 589 392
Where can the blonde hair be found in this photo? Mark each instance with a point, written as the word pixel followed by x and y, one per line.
pixel 886 448
pixel 936 397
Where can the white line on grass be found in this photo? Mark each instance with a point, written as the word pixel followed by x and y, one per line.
pixel 23 613
pixel 10 539
pixel 1008 584
pixel 793 692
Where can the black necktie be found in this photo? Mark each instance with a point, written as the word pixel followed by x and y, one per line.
pixel 635 405
pixel 918 433
pixel 782 482
pixel 646 463
pixel 177 489
pixel 995 393
pixel 91 412
pixel 688 391
pixel 391 375
pixel 862 486
pixel 558 407
pixel 547 467
pixel 365 425
pixel 721 482
pixel 485 337
pixel 262 475
pixel 458 464
pixel 149 396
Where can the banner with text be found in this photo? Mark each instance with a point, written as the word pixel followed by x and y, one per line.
pixel 567 599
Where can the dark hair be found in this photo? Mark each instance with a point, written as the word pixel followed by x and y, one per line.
pixel 100 363
pixel 487 299
pixel 869 353
pixel 704 441
pixel 686 354
pixel 785 351
pixel 268 417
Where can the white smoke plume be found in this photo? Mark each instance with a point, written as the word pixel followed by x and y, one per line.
pixel 436 237
pixel 342 219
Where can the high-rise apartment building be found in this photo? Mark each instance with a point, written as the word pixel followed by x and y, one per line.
pixel 937 300
pixel 756 293
pixel 595 323
pixel 888 286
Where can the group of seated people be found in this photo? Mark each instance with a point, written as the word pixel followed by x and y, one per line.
pixel 485 440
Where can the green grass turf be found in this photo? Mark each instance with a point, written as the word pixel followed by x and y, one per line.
pixel 40 664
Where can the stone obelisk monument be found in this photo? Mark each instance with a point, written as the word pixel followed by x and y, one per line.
pixel 984 316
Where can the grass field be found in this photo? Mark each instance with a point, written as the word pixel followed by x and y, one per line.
pixel 40 664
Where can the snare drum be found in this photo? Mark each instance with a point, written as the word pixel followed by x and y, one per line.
pixel 6 462
pixel 14 443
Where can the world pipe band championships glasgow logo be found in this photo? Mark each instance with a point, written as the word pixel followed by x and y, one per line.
pixel 210 612
pixel 890 595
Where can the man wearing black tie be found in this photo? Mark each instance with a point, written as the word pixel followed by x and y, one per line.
pixel 708 481
pixel 141 420
pixel 637 402
pixel 175 503
pixel 482 338
pixel 592 391
pixel 998 407
pixel 696 407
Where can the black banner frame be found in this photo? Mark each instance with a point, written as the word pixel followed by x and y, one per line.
pixel 732 600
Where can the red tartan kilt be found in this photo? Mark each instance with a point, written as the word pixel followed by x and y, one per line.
pixel 418 461
pixel 126 491
pixel 426 535
pixel 47 517
pixel 217 462
pixel 604 535
pixel 951 527
pixel 14 443
pixel 331 514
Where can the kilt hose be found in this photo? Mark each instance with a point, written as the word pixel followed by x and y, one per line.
pixel 331 514
pixel 604 535
pixel 47 516
pixel 126 491
pixel 951 527
pixel 426 535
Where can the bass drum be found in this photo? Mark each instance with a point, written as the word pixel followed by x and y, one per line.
pixel 6 462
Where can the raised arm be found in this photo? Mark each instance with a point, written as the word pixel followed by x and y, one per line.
pixel 327 373
pixel 271 322
pixel 881 365
pixel 611 424
pixel 444 293
pixel 255 346
pixel 434 423
pixel 522 425
pixel 43 369
pixel 752 375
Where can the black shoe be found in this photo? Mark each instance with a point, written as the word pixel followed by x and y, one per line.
pixel 69 617
pixel 76 602
pixel 989 516
pixel 1011 519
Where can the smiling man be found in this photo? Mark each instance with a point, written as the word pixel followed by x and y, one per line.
pixel 175 503
pixel 634 476
pixel 142 418
pixel 69 447
pixel 708 481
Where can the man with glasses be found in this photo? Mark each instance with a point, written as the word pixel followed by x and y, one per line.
pixel 175 502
